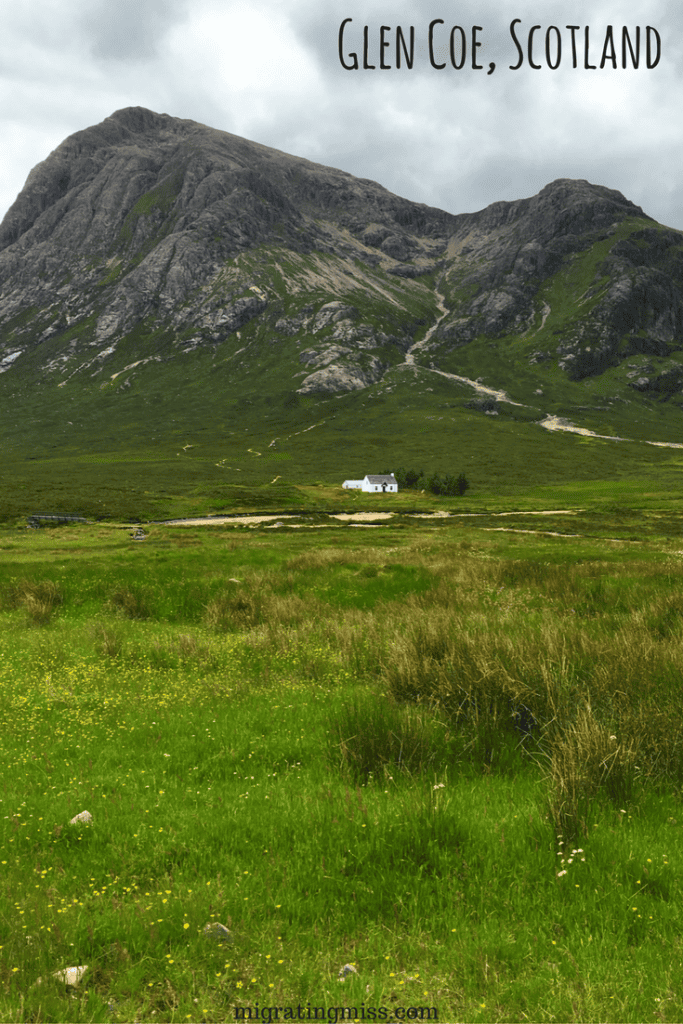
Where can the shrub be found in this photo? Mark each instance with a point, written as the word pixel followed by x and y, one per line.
pixel 586 761
pixel 130 603
pixel 39 600
pixel 228 612
pixel 409 478
pixel 374 736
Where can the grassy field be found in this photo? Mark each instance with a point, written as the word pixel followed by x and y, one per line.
pixel 204 434
pixel 444 751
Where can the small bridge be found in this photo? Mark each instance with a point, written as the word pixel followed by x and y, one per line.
pixel 39 519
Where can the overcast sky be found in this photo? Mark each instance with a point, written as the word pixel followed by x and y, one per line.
pixel 269 70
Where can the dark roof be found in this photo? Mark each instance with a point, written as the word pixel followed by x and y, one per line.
pixel 381 478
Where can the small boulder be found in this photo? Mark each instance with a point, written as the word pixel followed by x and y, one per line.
pixel 71 976
pixel 345 970
pixel 216 930
pixel 84 816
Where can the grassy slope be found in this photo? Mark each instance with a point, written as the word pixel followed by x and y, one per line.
pixel 141 465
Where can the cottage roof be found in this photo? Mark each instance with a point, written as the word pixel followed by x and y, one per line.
pixel 381 478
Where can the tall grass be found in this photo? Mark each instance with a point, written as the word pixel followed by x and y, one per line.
pixel 39 599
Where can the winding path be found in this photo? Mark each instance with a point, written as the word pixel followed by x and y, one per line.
pixel 548 422
pixel 481 389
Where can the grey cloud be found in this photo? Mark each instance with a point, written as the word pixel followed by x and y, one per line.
pixel 128 29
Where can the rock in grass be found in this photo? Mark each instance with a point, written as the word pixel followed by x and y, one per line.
pixel 71 976
pixel 216 930
pixel 346 969
pixel 84 816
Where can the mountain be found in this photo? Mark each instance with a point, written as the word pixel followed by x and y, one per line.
pixel 153 224
pixel 157 274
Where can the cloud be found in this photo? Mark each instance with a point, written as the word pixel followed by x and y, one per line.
pixel 127 30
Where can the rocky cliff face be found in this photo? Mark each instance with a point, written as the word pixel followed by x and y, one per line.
pixel 501 259
pixel 141 220
pixel 148 237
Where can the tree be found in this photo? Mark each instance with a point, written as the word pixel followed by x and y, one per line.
pixel 447 485
pixel 408 477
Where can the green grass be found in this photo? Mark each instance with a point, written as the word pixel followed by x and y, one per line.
pixel 444 754
pixel 147 471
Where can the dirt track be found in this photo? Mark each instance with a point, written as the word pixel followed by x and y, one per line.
pixel 353 517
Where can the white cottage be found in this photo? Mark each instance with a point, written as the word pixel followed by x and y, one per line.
pixel 380 483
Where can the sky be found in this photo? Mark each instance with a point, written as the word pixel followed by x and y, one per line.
pixel 458 138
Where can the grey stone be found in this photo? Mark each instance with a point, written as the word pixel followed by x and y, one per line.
pixel 216 930
pixel 342 377
pixel 346 970
pixel 71 976
pixel 85 817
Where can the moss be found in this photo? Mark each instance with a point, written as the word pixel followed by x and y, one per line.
pixel 113 275
pixel 160 199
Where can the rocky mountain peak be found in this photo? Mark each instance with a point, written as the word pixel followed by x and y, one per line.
pixel 565 206
pixel 147 226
